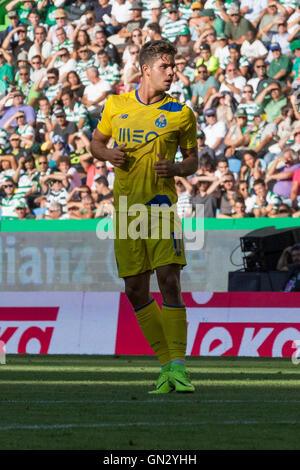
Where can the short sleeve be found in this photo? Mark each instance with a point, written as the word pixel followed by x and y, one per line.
pixel 104 126
pixel 188 129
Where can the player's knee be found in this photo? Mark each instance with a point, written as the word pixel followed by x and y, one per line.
pixel 170 288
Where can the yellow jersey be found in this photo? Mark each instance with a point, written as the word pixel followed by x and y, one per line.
pixel 147 130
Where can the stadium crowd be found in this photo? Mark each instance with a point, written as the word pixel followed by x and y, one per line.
pixel 237 66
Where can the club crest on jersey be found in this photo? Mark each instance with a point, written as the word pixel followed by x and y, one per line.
pixel 124 116
pixel 161 121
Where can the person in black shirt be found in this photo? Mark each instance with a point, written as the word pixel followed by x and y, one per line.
pixel 63 127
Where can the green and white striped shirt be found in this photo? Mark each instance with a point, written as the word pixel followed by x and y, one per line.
pixel 53 91
pixel 67 44
pixel 250 109
pixel 9 206
pixel 81 67
pixel 78 112
pixel 111 74
pixel 172 28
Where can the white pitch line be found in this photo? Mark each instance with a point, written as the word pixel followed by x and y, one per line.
pixel 136 401
pixel 40 427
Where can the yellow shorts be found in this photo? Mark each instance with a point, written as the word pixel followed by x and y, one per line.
pixel 143 243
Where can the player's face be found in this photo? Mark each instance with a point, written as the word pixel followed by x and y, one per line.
pixel 161 73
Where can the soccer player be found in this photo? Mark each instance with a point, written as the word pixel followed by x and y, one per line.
pixel 147 126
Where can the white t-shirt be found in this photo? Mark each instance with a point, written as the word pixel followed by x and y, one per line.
pixel 93 92
pixel 254 50
pixel 213 133
pixel 46 50
pixel 238 82
pixel 121 12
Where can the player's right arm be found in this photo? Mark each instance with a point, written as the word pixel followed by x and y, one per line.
pixel 116 156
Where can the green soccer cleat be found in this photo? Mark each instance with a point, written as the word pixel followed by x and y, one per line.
pixel 179 379
pixel 163 385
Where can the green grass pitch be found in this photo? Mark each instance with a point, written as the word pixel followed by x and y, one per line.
pixel 98 402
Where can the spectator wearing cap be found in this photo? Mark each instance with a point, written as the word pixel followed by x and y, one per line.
pixel 203 149
pixel 236 140
pixel 205 85
pixel 205 57
pixel 10 201
pixel 281 65
pixel 156 14
pixel 61 22
pixel 252 48
pixel 63 128
pixel 200 21
pixel 215 132
pixel 262 135
pixel 173 25
pixel 17 105
pixel 237 26
pixel 136 20
pixel 232 82
pixel 184 44
pixel 267 25
pixel 14 21
pixel 24 10
pixel 16 42
pixel 22 211
pixel 235 57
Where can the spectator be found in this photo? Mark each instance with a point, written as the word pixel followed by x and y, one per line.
pixel 173 25
pixel 266 202
pixel 281 65
pixel 214 132
pixel 232 81
pixel 281 172
pixel 205 86
pixel 237 26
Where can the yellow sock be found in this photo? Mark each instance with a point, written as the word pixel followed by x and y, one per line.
pixel 149 318
pixel 175 329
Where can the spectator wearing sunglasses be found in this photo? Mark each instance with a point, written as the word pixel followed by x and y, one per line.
pixel 10 200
